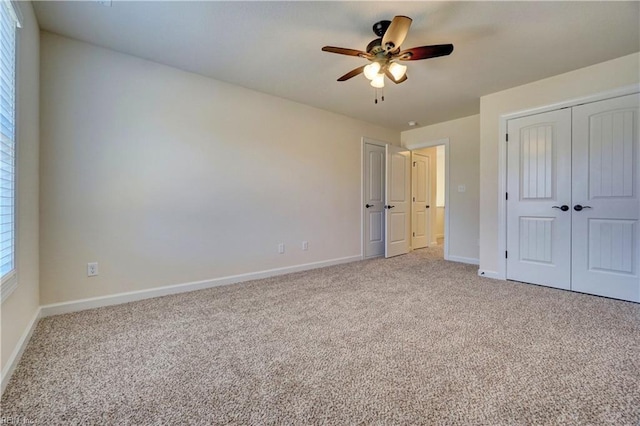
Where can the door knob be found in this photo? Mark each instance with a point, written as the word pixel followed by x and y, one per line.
pixel 578 207
pixel 564 208
pixel 389 207
pixel 369 205
pixel 427 206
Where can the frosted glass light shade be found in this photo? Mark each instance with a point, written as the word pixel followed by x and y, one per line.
pixel 371 70
pixel 397 70
pixel 378 81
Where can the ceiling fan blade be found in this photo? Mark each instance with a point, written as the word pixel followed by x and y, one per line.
pixel 392 78
pixel 396 33
pixel 425 52
pixel 345 51
pixel 352 73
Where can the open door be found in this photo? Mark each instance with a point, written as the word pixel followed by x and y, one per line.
pixel 420 216
pixel 398 207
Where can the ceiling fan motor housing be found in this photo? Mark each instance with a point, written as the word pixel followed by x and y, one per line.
pixel 375 47
pixel 379 28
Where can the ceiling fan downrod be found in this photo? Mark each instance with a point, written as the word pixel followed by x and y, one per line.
pixel 381 97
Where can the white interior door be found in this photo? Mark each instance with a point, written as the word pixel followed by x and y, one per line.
pixel 374 188
pixel 397 193
pixel 420 223
pixel 606 184
pixel 539 199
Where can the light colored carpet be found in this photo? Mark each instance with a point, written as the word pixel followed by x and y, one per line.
pixel 409 340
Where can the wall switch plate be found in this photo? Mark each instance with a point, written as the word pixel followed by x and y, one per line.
pixel 462 188
pixel 305 245
pixel 281 248
pixel 92 269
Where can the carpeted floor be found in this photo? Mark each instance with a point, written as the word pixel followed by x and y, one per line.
pixel 409 340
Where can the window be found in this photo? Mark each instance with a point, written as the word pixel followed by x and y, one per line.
pixel 8 26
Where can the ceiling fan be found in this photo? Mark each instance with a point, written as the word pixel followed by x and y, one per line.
pixel 385 53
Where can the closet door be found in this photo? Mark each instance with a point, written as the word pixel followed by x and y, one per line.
pixel 606 202
pixel 538 205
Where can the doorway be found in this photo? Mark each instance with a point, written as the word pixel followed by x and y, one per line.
pixel 420 221
pixel 429 195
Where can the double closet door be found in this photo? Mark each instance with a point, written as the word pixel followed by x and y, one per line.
pixel 573 204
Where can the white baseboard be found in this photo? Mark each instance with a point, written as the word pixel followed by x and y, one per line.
pixel 490 274
pixel 469 260
pixel 8 369
pixel 117 299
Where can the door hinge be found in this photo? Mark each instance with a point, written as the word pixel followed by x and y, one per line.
pixel 414 164
pixel 506 195
pixel 414 198
pixel 506 254
pixel 414 234
pixel 507 137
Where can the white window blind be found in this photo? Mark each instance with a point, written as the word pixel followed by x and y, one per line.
pixel 8 24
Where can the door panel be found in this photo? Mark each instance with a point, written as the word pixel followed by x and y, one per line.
pixel 535 239
pixel 539 178
pixel 374 188
pixel 420 201
pixel 398 175
pixel 611 245
pixel 536 159
pixel 606 180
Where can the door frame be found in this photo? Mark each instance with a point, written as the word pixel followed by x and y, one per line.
pixel 501 273
pixel 363 141
pixel 447 168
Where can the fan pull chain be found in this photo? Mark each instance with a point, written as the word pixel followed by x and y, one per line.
pixel 381 97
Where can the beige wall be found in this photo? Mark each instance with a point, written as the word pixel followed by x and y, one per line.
pixel 21 306
pixel 439 230
pixel 583 82
pixel 441 196
pixel 167 177
pixel 464 166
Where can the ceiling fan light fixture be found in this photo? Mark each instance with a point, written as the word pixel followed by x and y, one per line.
pixel 371 70
pixel 378 81
pixel 397 70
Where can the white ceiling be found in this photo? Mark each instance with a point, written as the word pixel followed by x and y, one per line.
pixel 274 47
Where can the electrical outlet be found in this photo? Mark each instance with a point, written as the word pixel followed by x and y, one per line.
pixel 92 269
pixel 305 245
pixel 281 248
